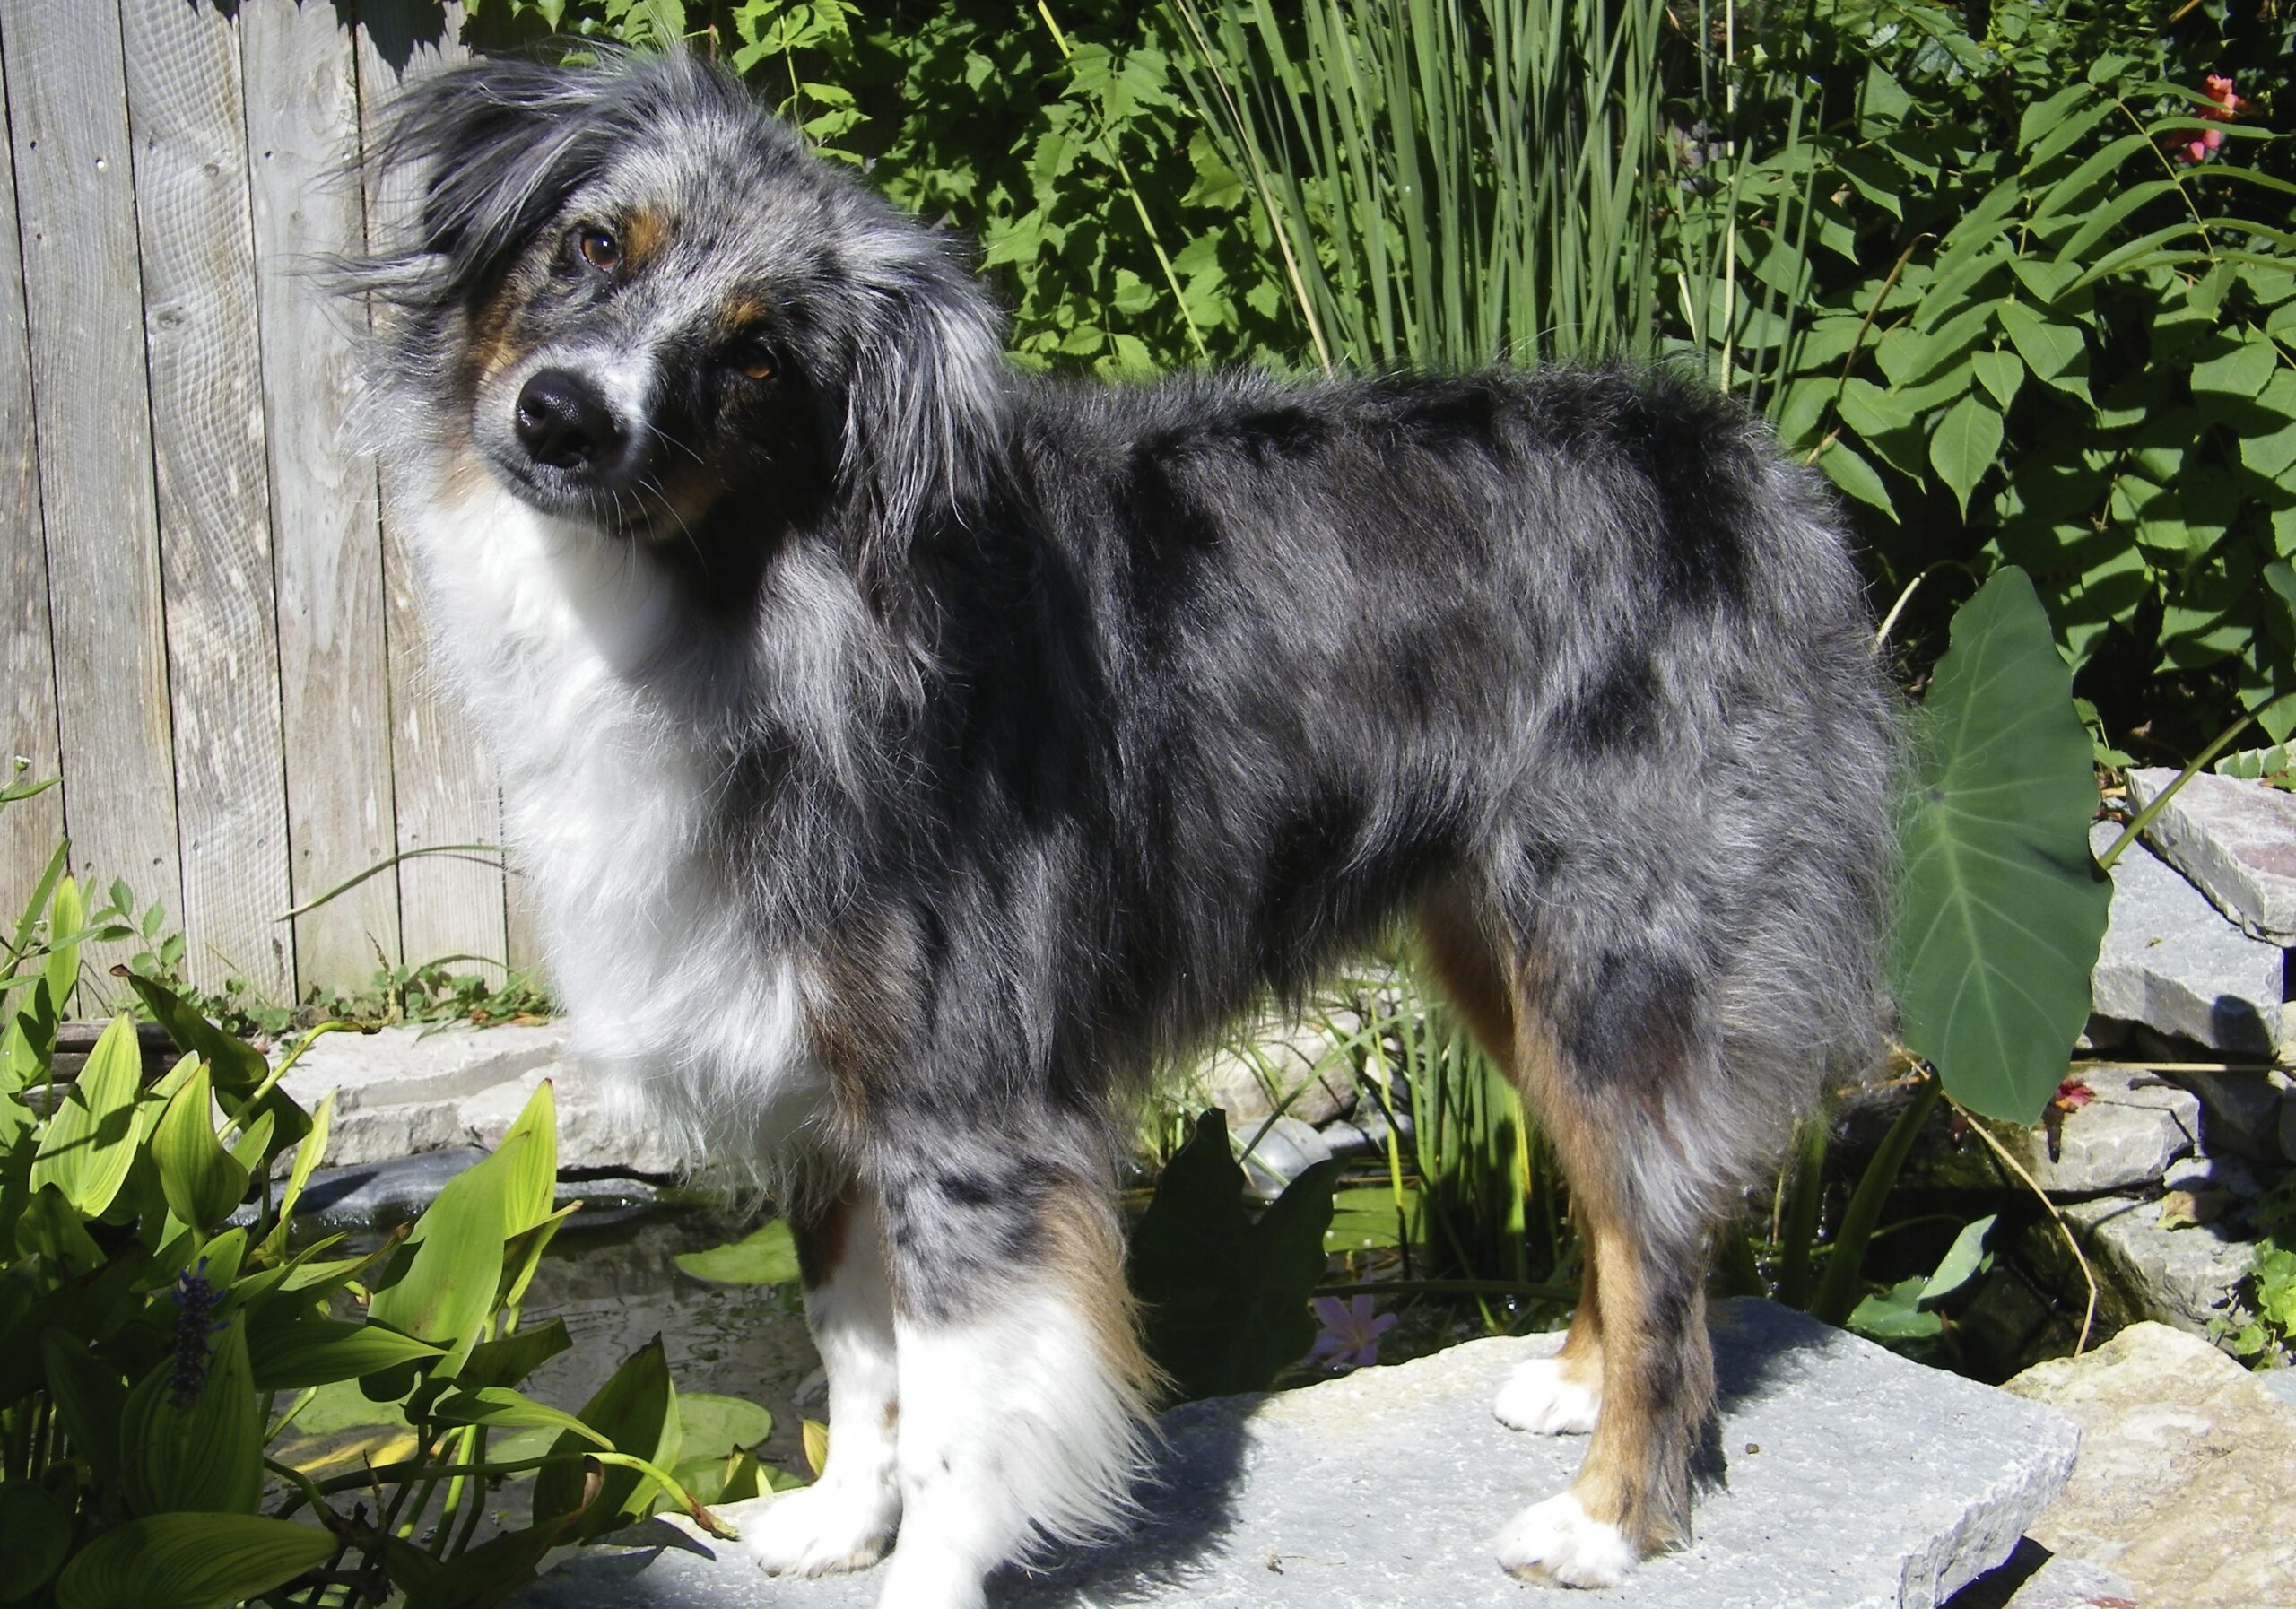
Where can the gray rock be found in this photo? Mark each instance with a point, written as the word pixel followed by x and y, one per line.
pixel 2172 961
pixel 2239 1113
pixel 2281 1383
pixel 1282 1149
pixel 2235 839
pixel 400 1091
pixel 2231 1174
pixel 596 1132
pixel 1856 1480
pixel 1305 1069
pixel 2184 1277
pixel 2035 1579
pixel 2138 1123
pixel 2182 1482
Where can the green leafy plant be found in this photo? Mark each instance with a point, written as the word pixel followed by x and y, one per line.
pixel 2266 1331
pixel 161 1327
pixel 1226 1295
pixel 1444 186
pixel 1969 263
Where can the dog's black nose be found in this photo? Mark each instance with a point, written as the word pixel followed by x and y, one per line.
pixel 565 423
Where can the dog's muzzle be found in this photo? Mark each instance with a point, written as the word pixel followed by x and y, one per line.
pixel 563 423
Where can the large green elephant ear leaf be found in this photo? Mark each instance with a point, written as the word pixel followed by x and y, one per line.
pixel 2002 907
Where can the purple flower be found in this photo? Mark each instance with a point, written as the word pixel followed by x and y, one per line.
pixel 195 1302
pixel 1350 1336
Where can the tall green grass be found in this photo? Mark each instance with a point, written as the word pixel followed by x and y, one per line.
pixel 1449 184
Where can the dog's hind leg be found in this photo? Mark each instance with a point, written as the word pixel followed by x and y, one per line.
pixel 1022 1385
pixel 1562 1395
pixel 1610 1071
pixel 845 1520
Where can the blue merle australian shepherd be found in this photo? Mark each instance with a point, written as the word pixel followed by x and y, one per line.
pixel 907 755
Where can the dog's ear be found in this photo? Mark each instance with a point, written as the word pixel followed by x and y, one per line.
pixel 498 146
pixel 923 407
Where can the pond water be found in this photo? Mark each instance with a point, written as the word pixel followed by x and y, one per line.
pixel 611 1276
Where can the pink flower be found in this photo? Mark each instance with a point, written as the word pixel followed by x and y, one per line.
pixel 2211 137
pixel 1350 1336
pixel 2193 152
pixel 2220 90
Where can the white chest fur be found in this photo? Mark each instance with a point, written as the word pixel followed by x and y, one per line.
pixel 545 628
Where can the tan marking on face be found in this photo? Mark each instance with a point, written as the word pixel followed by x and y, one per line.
pixel 494 346
pixel 742 311
pixel 643 236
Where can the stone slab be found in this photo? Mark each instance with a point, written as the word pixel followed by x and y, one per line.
pixel 2172 961
pixel 2239 1112
pixel 2182 1483
pixel 2234 838
pixel 2183 1277
pixel 2136 1125
pixel 1855 1480
pixel 2035 1579
pixel 2281 1383
pixel 597 1130
pixel 398 1090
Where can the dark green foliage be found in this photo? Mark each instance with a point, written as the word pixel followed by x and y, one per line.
pixel 1226 1298
pixel 1965 271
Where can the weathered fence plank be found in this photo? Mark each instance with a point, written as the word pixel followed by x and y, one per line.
pixel 444 787
pixel 302 134
pixel 67 123
pixel 199 315
pixel 29 831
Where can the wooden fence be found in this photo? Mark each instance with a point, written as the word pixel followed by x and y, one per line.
pixel 210 628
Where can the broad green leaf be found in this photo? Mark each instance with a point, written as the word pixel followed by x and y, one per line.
pixel 1854 476
pixel 636 1410
pixel 1365 1219
pixel 522 1254
pixel 236 1066
pixel 190 1562
pixel 716 1425
pixel 91 1140
pixel 766 1255
pixel 320 1352
pixel 191 1435
pixel 38 1529
pixel 2053 352
pixel 531 1186
pixel 62 967
pixel 1999 372
pixel 2240 371
pixel 500 1407
pixel 1226 1297
pixel 442 1285
pixel 1965 445
pixel 2000 906
pixel 1895 1314
pixel 307 1155
pixel 2271 453
pixel 90 1397
pixel 202 1181
pixel 51 1228
pixel 1962 1262
pixel 509 1359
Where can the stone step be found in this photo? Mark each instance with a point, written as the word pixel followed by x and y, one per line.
pixel 1855 1480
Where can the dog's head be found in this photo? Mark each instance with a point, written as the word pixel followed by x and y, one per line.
pixel 639 302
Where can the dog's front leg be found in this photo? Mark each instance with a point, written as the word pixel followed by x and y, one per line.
pixel 845 1520
pixel 1022 1380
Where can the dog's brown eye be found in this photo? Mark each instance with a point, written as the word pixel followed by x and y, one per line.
pixel 753 360
pixel 600 249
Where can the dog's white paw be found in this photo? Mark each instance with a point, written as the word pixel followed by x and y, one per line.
pixel 817 1530
pixel 925 1579
pixel 1539 1397
pixel 1557 1541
